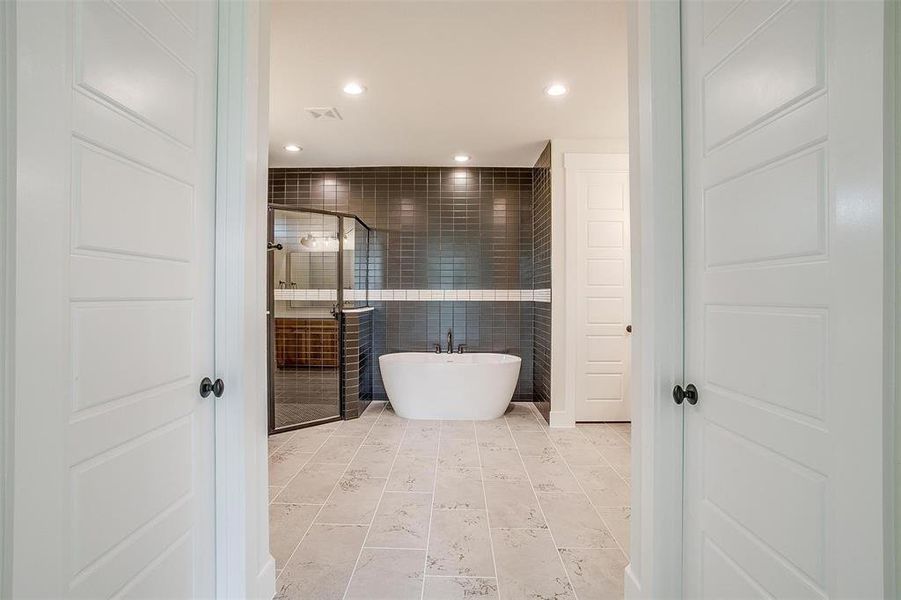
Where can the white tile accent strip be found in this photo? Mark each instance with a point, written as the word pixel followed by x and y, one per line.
pixel 419 295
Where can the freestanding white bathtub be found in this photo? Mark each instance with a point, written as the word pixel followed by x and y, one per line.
pixel 427 385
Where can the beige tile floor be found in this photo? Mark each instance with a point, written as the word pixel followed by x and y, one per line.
pixel 384 508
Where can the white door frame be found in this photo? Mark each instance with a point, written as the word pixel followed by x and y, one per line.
pixel 7 248
pixel 655 150
pixel 244 566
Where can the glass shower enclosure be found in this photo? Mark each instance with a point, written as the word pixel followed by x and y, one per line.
pixel 317 268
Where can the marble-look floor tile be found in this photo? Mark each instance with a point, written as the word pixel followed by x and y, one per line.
pixel 382 574
pixel 401 521
pixel 528 565
pixel 575 449
pixel 306 440
pixel 624 430
pixel 533 443
pixel 601 434
pixel 523 423
pixel 459 488
pixel 595 574
pixel 432 525
pixel 273 492
pixel 420 444
pixel 372 461
pixel 277 440
pixel 358 428
pixel 460 588
pixel 618 519
pixel 573 521
pixel 459 544
pixel 458 453
pixel 284 464
pixel 412 473
pixel 494 432
pixel 463 430
pixel 603 485
pixel 620 458
pixel 312 484
pixel 323 563
pixel 549 473
pixel 423 426
pixel 498 456
pixel 287 525
pixel 353 501
pixel 385 434
pixel 512 505
pixel 337 449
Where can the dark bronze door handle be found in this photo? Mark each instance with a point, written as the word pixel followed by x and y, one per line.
pixel 689 394
pixel 207 387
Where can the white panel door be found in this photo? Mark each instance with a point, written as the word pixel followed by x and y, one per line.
pixel 598 275
pixel 784 299
pixel 114 307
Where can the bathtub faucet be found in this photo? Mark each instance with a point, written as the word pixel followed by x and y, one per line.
pixel 450 341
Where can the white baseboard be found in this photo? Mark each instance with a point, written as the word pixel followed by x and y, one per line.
pixel 559 418
pixel 632 587
pixel 265 585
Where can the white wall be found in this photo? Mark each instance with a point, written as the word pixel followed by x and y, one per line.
pixel 563 410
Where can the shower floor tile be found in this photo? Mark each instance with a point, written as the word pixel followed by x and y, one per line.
pixel 450 510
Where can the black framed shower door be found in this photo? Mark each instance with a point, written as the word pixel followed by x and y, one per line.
pixel 317 267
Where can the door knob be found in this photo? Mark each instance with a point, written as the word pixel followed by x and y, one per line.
pixel 689 394
pixel 628 329
pixel 207 386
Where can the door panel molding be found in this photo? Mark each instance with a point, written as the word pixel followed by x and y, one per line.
pixel 784 300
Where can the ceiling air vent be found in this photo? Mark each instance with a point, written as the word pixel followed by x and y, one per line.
pixel 327 113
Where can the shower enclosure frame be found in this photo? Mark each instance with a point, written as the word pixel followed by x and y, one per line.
pixel 338 310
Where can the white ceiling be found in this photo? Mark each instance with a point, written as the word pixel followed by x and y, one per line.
pixel 444 78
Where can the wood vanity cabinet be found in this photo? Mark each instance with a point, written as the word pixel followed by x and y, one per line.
pixel 306 342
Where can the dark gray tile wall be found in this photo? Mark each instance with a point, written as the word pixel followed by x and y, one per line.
pixel 541 244
pixel 357 357
pixel 435 228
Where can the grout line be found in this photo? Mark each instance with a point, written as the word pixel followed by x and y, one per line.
pixel 428 538
pixel 282 445
pixel 274 496
pixel 621 436
pixel 378 504
pixel 540 509
pixel 461 577
pixel 497 576
pixel 313 521
pixel 605 459
pixel 590 501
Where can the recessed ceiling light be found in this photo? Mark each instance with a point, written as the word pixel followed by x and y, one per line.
pixel 556 89
pixel 354 88
pixel 461 158
pixel 293 148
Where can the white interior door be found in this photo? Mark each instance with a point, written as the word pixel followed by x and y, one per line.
pixel 114 301
pixel 784 299
pixel 598 283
